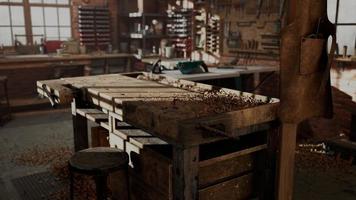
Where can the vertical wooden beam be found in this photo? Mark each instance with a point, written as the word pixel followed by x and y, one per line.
pixel 28 22
pixel 266 166
pixel 292 10
pixel 353 127
pixel 185 168
pixel 80 130
pixel 288 138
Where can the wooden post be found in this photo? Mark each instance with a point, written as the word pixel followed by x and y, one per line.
pixel 288 138
pixel 267 165
pixel 353 127
pixel 80 130
pixel 185 169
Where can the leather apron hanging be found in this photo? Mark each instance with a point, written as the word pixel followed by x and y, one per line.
pixel 305 79
pixel 305 64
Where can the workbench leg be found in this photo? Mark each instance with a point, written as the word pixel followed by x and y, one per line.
pixel 353 127
pixel 185 173
pixel 128 65
pixel 288 139
pixel 267 182
pixel 80 130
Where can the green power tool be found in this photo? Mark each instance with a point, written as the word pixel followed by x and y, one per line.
pixel 192 67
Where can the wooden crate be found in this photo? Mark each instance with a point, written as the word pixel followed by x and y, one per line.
pixel 225 168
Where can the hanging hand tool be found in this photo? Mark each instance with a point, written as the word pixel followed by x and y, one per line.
pixel 259 8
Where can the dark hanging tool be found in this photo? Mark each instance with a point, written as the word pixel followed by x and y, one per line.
pixel 157 67
pixel 259 8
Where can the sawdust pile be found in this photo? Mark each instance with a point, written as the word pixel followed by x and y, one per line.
pixel 217 102
pixel 316 157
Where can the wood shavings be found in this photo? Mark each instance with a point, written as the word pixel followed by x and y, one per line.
pixel 57 158
pixel 316 157
pixel 37 155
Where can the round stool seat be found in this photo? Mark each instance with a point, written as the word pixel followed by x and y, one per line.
pixel 94 161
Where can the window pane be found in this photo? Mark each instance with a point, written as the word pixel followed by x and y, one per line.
pixel 49 1
pixel 38 33
pixel 52 33
pixel 65 33
pixel 4 16
pixel 347 11
pixel 37 16
pixel 332 10
pixel 5 36
pixel 17 16
pixel 21 34
pixel 64 16
pixel 35 1
pixel 346 36
pixel 51 16
pixel 63 2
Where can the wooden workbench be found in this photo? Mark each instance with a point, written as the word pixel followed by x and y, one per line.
pixel 138 102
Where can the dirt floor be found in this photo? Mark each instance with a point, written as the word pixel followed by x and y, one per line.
pixel 318 176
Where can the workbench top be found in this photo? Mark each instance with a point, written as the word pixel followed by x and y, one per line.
pixel 134 100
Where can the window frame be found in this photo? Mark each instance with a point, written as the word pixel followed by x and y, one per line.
pixel 27 17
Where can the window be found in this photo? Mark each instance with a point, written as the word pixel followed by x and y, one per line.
pixel 341 12
pixel 12 23
pixel 28 21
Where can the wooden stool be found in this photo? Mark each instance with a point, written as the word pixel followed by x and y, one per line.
pixel 98 162
pixel 5 113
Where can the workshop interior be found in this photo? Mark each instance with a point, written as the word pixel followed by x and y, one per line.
pixel 177 100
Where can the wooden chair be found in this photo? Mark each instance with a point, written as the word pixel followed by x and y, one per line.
pixel 98 162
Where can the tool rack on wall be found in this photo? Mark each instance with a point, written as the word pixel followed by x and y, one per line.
pixel 180 30
pixel 94 26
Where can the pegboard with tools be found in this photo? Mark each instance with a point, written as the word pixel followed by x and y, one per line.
pixel 251 28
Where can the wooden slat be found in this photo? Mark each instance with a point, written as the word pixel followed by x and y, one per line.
pixel 238 188
pixel 96 91
pixel 228 165
pixel 118 96
pixel 126 134
pixel 83 111
pixel 143 141
pixel 97 117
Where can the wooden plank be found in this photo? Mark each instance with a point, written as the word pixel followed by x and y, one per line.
pixel 118 96
pixel 228 165
pixel 154 169
pixel 179 127
pixel 126 134
pixel 185 173
pixel 238 188
pixel 105 125
pixel 140 142
pixel 97 117
pixel 285 174
pixel 84 111
pixel 96 91
pixel 99 137
pixel 80 132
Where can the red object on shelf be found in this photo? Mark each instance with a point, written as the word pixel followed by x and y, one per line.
pixel 51 46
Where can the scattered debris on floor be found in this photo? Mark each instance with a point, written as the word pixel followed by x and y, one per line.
pixel 57 160
pixel 317 157
pixel 37 155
